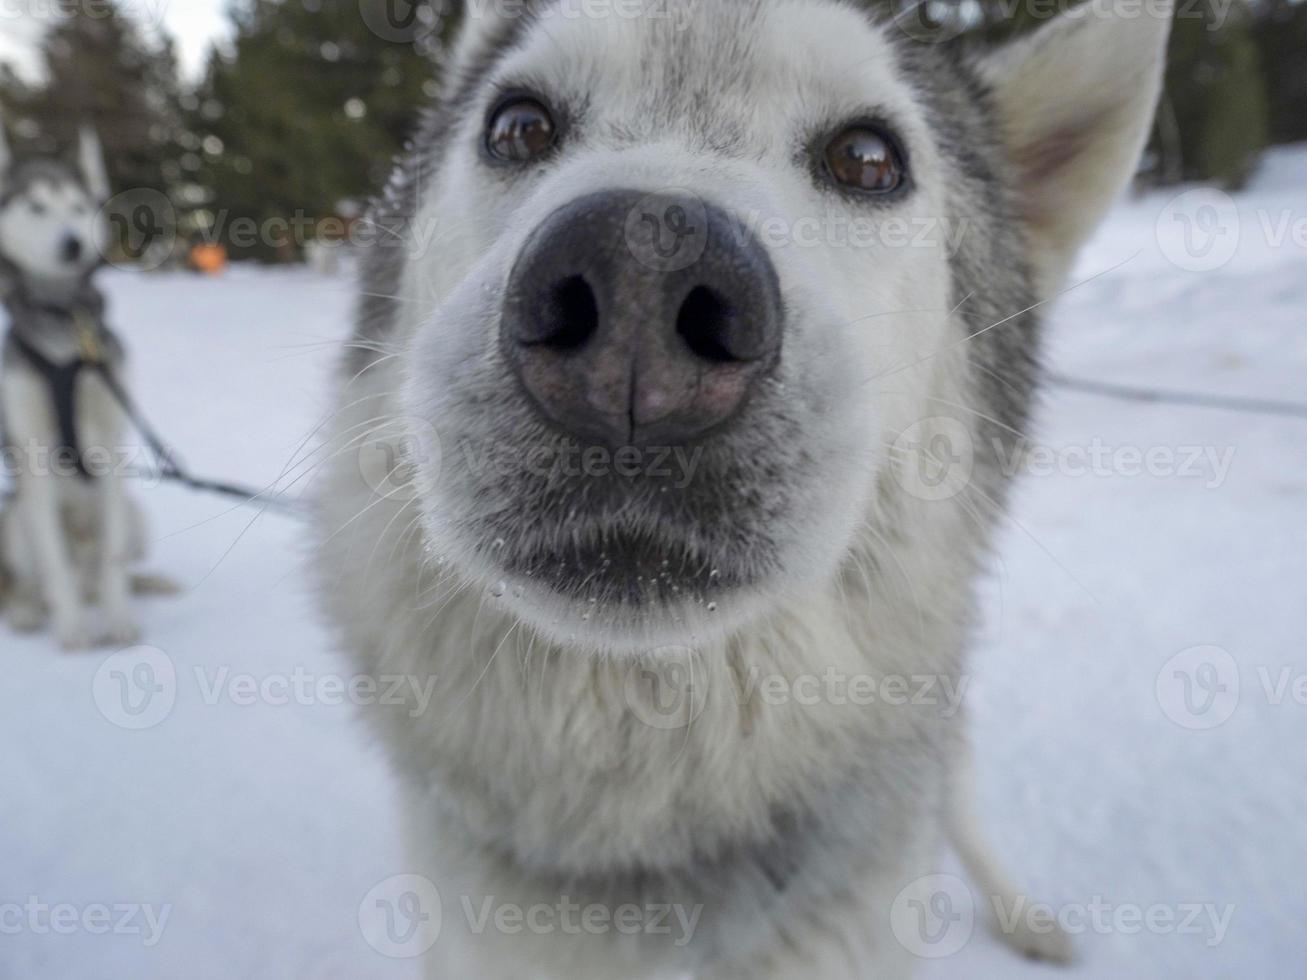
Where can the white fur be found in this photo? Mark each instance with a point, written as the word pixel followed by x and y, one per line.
pixel 36 225
pixel 530 745
pixel 65 544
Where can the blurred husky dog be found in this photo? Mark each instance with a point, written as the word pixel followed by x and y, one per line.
pixel 671 401
pixel 69 533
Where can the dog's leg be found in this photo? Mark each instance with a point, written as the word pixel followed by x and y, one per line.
pixel 101 423
pixel 115 554
pixel 996 889
pixel 24 610
pixel 846 937
pixel 40 511
pixel 144 583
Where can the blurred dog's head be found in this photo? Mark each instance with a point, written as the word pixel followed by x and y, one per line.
pixel 51 224
pixel 689 285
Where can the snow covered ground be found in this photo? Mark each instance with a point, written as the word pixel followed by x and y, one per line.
pixel 1152 547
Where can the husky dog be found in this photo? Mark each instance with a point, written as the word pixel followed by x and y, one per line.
pixel 70 532
pixel 686 395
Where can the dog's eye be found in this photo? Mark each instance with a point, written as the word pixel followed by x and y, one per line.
pixel 37 208
pixel 520 130
pixel 865 159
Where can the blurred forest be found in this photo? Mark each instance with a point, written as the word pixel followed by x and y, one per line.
pixel 299 117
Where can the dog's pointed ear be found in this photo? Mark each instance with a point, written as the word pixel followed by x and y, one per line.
pixel 90 158
pixel 1075 100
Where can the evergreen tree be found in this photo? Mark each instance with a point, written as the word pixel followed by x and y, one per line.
pixel 308 110
pixel 1213 120
pixel 101 69
pixel 1216 87
pixel 1281 34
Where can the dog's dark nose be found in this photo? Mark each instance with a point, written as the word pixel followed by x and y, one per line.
pixel 641 319
pixel 72 249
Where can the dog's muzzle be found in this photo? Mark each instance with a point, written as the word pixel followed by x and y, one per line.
pixel 71 250
pixel 635 319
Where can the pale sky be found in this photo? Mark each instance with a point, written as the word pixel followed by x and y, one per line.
pixel 196 24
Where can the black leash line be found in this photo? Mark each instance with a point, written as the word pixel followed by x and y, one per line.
pixel 172 472
pixel 1254 406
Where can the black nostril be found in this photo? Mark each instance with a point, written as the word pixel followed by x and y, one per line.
pixel 570 316
pixel 72 250
pixel 705 323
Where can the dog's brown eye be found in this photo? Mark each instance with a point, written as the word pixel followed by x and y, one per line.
pixel 520 130
pixel 864 159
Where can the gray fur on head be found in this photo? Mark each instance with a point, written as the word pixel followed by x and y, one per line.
pixel 23 175
pixel 52 225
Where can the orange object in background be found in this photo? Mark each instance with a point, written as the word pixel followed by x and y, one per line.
pixel 210 259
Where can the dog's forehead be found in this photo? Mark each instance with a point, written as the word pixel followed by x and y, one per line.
pixel 46 183
pixel 729 68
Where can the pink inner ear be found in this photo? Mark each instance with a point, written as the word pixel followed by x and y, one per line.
pixel 1046 161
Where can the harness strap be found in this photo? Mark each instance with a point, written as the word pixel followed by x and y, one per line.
pixel 92 356
pixel 62 380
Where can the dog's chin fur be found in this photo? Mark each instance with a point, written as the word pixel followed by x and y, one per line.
pixel 624 589
pixel 539 769
pixel 665 568
pixel 626 566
